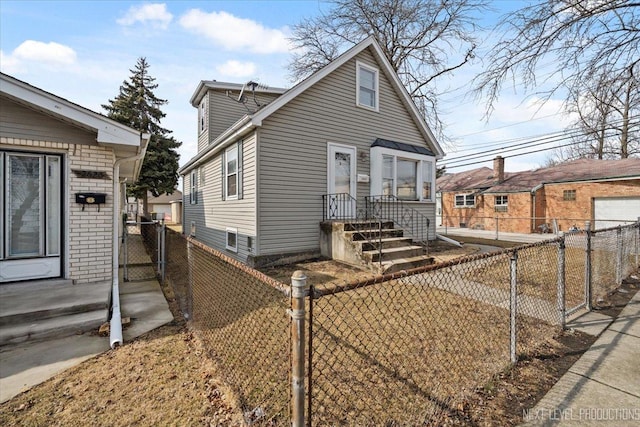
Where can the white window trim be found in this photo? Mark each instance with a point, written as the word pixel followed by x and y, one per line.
pixel 231 230
pixel 376 171
pixel 464 205
pixel 376 72
pixel 233 147
pixel 193 194
pixel 501 207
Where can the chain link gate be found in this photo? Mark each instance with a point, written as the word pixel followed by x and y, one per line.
pixel 143 248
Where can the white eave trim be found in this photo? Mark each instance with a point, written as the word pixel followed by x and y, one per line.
pixel 109 131
pixel 204 85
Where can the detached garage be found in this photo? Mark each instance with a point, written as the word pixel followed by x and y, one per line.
pixel 614 211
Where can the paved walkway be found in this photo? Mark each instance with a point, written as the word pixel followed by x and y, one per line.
pixel 24 365
pixel 603 387
pixel 452 232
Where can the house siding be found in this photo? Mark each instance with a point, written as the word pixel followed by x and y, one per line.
pixel 212 215
pixel 17 121
pixel 293 153
pixel 225 111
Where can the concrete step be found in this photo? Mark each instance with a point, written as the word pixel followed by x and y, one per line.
pixel 369 234
pixel 406 263
pixel 367 225
pixel 48 309
pixel 391 254
pixel 54 327
pixel 387 242
pixel 28 302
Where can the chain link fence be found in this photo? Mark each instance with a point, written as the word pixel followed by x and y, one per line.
pixel 410 348
pixel 139 253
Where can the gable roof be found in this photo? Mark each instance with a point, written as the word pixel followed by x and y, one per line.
pixel 582 170
pixel 125 141
pixel 249 122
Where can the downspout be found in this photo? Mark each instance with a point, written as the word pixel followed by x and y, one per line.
pixel 115 324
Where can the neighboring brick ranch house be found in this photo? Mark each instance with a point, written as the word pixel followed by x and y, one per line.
pixel 63 168
pixel 605 192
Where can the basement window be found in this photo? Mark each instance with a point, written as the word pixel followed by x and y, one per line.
pixel 232 239
pixel 569 195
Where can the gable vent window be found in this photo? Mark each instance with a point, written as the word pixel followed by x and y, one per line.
pixel 569 195
pixel 202 114
pixel 367 86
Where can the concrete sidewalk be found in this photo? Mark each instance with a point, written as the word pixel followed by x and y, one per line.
pixel 24 365
pixel 453 232
pixel 603 387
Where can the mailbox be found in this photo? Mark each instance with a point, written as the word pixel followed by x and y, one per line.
pixel 91 199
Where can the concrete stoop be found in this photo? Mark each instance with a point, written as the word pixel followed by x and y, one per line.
pixel 45 309
pixel 380 247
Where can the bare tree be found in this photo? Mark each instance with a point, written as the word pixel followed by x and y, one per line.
pixel 422 39
pixel 576 38
pixel 608 118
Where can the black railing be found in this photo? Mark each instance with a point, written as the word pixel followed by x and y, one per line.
pixel 390 208
pixel 344 207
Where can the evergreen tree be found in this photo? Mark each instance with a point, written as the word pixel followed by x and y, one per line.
pixel 137 106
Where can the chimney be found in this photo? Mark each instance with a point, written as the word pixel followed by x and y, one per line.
pixel 498 169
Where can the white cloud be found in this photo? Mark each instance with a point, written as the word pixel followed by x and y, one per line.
pixel 233 68
pixel 52 54
pixel 155 14
pixel 233 33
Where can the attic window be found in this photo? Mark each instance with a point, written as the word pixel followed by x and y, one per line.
pixel 202 114
pixel 366 86
pixel 569 195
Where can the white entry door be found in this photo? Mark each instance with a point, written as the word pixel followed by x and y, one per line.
pixel 30 224
pixel 341 179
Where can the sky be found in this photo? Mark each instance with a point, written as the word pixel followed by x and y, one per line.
pixel 83 50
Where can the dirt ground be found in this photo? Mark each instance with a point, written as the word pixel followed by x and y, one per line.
pixel 163 377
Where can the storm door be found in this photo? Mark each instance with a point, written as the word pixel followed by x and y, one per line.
pixel 341 178
pixel 30 224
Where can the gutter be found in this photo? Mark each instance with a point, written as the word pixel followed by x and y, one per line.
pixel 115 323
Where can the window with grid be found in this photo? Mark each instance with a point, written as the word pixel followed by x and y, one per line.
pixel 569 195
pixel 465 200
pixel 501 203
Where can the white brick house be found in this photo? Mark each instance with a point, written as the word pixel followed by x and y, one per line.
pixel 57 161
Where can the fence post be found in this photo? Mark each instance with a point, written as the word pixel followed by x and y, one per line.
pixel 587 267
pixel 163 252
pixel 561 281
pixel 297 313
pixel 497 225
pixel 638 242
pixel 619 256
pixel 514 306
pixel 125 253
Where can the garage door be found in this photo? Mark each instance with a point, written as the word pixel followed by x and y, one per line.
pixel 614 211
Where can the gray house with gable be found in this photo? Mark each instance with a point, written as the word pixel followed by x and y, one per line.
pixel 268 157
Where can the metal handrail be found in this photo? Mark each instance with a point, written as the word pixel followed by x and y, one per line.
pixel 391 208
pixel 344 207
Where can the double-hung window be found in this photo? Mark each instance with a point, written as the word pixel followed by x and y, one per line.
pixel 194 187
pixel 405 175
pixel 232 172
pixel 367 86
